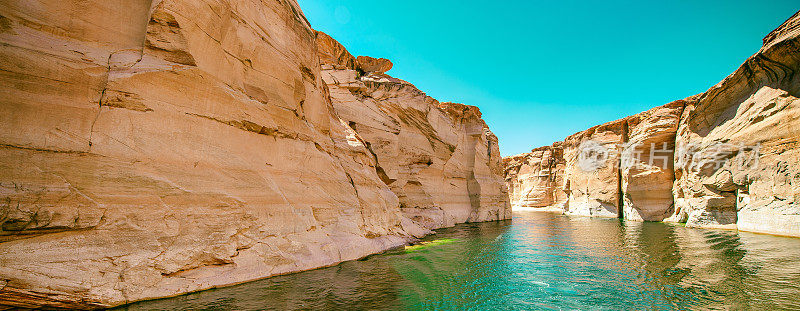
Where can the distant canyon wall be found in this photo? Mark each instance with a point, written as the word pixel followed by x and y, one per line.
pixel 154 148
pixel 727 158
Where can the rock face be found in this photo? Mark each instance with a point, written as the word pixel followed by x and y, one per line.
pixel 536 180
pixel 628 174
pixel 439 158
pixel 154 148
pixel 647 171
pixel 369 64
pixel 726 158
pixel 594 191
pixel 752 119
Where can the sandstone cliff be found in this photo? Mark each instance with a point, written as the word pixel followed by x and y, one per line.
pixel 439 158
pixel 536 179
pixel 154 148
pixel 729 157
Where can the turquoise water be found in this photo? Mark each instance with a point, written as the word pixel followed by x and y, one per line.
pixel 539 261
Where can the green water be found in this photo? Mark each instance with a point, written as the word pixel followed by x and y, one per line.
pixel 539 261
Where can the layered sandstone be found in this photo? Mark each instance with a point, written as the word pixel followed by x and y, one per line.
pixel 440 159
pixel 594 191
pixel 629 173
pixel 536 180
pixel 753 119
pixel 154 148
pixel 725 158
pixel 647 171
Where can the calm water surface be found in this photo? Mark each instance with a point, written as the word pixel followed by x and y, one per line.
pixel 539 261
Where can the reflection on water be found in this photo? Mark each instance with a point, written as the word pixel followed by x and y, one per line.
pixel 539 261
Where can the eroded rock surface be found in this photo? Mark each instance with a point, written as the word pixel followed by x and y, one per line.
pixel 440 159
pixel 369 64
pixel 647 171
pixel 536 180
pixel 726 158
pixel 752 118
pixel 594 191
pixel 150 149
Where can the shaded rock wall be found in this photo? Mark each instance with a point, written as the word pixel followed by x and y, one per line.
pixel 725 158
pixel 154 148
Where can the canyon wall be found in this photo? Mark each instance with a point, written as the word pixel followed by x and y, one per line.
pixel 536 179
pixel 427 152
pixel 727 158
pixel 154 148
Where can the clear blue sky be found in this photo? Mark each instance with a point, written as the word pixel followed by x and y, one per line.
pixel 543 70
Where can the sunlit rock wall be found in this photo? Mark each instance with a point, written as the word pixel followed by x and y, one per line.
pixel 593 186
pixel 740 165
pixel 154 148
pixel 440 159
pixel 647 168
pixel 726 158
pixel 536 180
